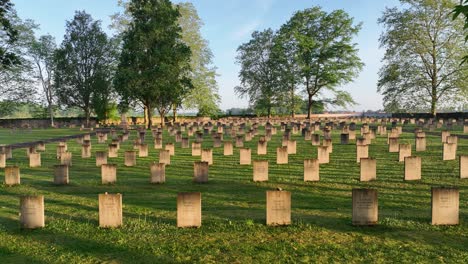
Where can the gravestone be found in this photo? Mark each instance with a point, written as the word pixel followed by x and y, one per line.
pixel 207 155
pixel 61 174
pixel 465 129
pixel 7 151
pixel 344 138
pixel 311 170
pixel 85 151
pixel 143 150
pixel 393 145
pixel 165 157
pixel 245 155
pixel 449 151
pixel 368 169
pixel 463 167
pixel 113 151
pixel 40 146
pixel 101 158
pixel 412 168
pixel 405 151
pixel 365 207
pixel 158 172
pixel 352 135
pixel 110 210
pixel 2 160
pixel 262 148
pixel 444 134
pixel 12 175
pixel 362 151
pixel 108 173
pixel 420 144
pixel 189 209
pixel 282 155
pixel 32 212
pixel 239 142
pixel 323 154
pixel 445 206
pixel 260 170
pixel 34 160
pixel 171 148
pixel 196 149
pixel 328 142
pixel 315 140
pixel 66 158
pixel 216 142
pixel 228 148
pixel 61 149
pixel 291 146
pixel 278 210
pixel 158 143
pixel 130 158
pixel 185 142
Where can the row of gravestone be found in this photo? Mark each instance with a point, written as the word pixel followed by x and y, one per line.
pixel 368 171
pixel 444 203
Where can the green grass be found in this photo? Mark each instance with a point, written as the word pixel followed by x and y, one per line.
pixel 233 208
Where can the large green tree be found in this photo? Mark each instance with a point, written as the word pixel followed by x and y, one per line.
pixel 462 8
pixel 83 63
pixel 424 48
pixel 324 52
pixel 42 52
pixel 154 62
pixel 8 35
pixel 258 74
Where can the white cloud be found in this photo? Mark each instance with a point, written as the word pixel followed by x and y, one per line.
pixel 245 30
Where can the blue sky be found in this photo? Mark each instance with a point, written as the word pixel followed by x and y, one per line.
pixel 229 23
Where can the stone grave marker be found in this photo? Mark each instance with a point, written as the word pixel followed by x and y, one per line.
pixel 171 148
pixel 393 145
pixel 61 176
pixel 158 143
pixel 101 158
pixel 32 212
pixel 34 160
pixel 291 144
pixel 12 175
pixel 444 135
pixel 7 151
pixel 113 151
pixel 61 149
pixel 143 150
pixel 262 147
pixel 130 158
pixel 245 156
pixel 405 151
pixel 449 151
pixel 260 170
pixel 282 155
pixel 196 149
pixel 165 157
pixel 66 158
pixel 352 134
pixel 108 173
pixel 311 170
pixel 207 155
pixel 365 207
pixel 362 151
pixel 316 140
pixel 185 142
pixel 344 138
pixel 463 166
pixel 85 151
pixel 328 142
pixel 412 168
pixel 445 206
pixel 278 205
pixel 239 141
pixel 158 172
pixel 420 144
pixel 368 169
pixel 189 209
pixel 2 160
pixel 40 146
pixel 110 210
pixel 228 148
pixel 323 154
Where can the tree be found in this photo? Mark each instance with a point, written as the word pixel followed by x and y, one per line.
pixel 323 50
pixel 424 48
pixel 258 76
pixel 83 63
pixel 8 35
pixel 42 53
pixel 154 62
pixel 462 8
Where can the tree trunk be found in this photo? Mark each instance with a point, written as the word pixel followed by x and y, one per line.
pixel 145 115
pixel 309 106
pixel 87 114
pixel 150 117
pixel 51 113
pixel 292 102
pixel 433 106
pixel 174 113
pixel 269 112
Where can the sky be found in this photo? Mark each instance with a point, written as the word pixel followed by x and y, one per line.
pixel 228 24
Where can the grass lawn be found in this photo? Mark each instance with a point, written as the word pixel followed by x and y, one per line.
pixel 233 208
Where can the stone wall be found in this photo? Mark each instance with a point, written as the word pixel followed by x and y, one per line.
pixel 44 123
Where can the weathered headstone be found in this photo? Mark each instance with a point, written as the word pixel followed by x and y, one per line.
pixel 143 150
pixel 61 176
pixel 61 149
pixel 101 158
pixel 2 160
pixel 66 158
pixel 291 146
pixel 85 151
pixel 196 149
pixel 165 157
pixel 110 210
pixel 108 173
pixel 323 154
pixel 207 155
pixel 171 148
pixel 328 142
pixel 344 138
pixel 393 145
pixel 315 140
pixel 34 160
pixel 278 205
pixel 12 175
pixel 420 144
pixel 463 167
pixel 412 168
pixel 262 147
pixel 130 158
pixel 444 134
pixel 311 170
pixel 239 141
pixel 158 143
pixel 449 151
pixel 368 169
pixel 228 148
pixel 260 170
pixel 185 142
pixel 245 155
pixel 32 212
pixel 40 146
pixel 362 151
pixel 189 209
pixel 445 206
pixel 158 172
pixel 405 151
pixel 365 207
pixel 282 155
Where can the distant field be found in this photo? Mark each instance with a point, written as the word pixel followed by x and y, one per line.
pixel 10 136
pixel 233 207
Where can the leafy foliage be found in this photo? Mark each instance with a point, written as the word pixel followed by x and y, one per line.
pixel 8 36
pixel 462 8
